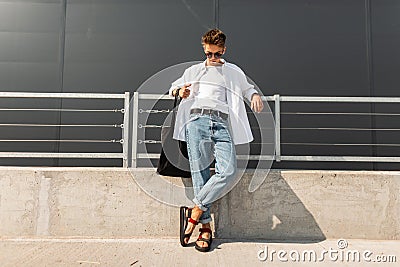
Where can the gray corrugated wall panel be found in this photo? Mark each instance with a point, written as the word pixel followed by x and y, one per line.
pixel 386 46
pixel 315 48
pixel 114 46
pixel 29 43
pixel 299 47
pixel 29 62
pixel 386 58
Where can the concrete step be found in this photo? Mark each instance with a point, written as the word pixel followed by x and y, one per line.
pixel 168 252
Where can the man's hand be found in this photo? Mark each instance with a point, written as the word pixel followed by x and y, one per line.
pixel 256 103
pixel 184 91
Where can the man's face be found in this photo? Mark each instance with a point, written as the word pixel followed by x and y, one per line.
pixel 213 53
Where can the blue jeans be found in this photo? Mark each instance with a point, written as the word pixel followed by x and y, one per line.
pixel 208 137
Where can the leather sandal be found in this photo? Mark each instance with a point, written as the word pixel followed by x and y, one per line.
pixel 185 218
pixel 207 240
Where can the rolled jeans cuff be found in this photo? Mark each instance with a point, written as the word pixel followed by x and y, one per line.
pixel 198 204
pixel 207 220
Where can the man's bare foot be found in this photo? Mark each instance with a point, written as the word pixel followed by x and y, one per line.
pixel 205 235
pixel 196 214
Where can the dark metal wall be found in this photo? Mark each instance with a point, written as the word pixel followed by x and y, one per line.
pixel 29 62
pixel 290 47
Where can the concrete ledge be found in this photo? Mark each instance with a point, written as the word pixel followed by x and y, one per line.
pixel 108 203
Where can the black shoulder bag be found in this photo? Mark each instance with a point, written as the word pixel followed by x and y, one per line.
pixel 173 150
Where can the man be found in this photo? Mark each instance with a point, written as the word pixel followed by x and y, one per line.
pixel 212 119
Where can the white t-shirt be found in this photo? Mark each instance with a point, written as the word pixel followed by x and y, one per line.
pixel 211 93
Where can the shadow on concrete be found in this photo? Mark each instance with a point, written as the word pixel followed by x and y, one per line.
pixel 273 213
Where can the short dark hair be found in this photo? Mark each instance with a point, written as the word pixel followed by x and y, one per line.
pixel 215 37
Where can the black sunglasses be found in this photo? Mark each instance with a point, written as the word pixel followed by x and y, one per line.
pixel 216 55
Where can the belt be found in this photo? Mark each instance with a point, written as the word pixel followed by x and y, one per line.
pixel 205 111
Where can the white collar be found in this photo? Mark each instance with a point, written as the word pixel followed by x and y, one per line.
pixel 203 66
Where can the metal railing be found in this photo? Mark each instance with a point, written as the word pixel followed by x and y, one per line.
pixel 131 158
pixel 124 126
pixel 277 102
pixel 279 99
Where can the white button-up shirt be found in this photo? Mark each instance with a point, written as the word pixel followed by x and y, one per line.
pixel 237 87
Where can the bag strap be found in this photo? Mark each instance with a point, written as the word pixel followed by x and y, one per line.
pixel 176 102
pixel 176 97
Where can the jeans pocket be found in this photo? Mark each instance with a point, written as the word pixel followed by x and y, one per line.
pixel 193 117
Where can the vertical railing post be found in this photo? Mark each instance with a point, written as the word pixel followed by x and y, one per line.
pixel 277 128
pixel 135 117
pixel 125 131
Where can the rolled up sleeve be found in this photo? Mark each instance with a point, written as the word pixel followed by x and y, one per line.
pixel 247 88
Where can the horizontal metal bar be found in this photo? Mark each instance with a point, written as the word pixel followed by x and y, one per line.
pixel 149 126
pixel 341 158
pixel 340 99
pixel 341 113
pixel 297 158
pixel 59 155
pixel 148 155
pixel 240 157
pixel 255 157
pixel 154 111
pixel 342 129
pixel 60 95
pixel 60 125
pixel 155 96
pixel 302 98
pixel 168 97
pixel 61 140
pixel 148 142
pixel 60 110
pixel 268 98
pixel 297 128
pixel 327 144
